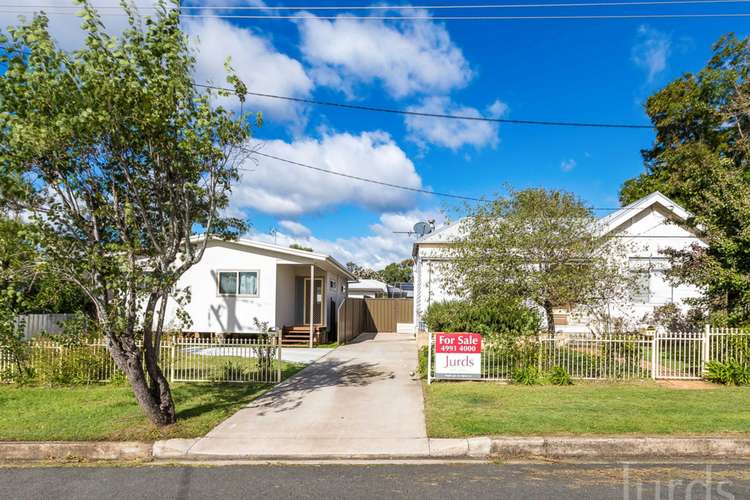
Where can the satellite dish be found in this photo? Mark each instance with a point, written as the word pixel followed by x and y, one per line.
pixel 422 228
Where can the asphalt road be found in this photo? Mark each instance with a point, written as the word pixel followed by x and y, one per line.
pixel 456 481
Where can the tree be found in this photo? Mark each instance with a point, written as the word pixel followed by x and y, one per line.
pixel 118 158
pixel 700 159
pixel 297 246
pixel 397 272
pixel 26 285
pixel 362 273
pixel 538 245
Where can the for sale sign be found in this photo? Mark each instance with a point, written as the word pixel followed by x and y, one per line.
pixel 458 355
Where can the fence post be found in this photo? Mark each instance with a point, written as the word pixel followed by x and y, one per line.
pixel 171 360
pixel 654 357
pixel 277 339
pixel 706 347
pixel 429 357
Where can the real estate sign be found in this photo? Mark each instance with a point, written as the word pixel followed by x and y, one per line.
pixel 458 355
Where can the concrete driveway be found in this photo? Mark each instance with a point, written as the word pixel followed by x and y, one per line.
pixel 357 400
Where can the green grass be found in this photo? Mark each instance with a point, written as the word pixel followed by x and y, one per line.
pixel 480 408
pixel 110 412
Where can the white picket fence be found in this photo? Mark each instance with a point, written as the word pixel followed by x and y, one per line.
pixel 660 355
pixel 182 360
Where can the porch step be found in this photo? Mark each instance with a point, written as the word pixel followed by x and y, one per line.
pixel 298 335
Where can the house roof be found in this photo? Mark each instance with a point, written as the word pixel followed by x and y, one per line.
pixel 313 256
pixel 368 284
pixel 655 199
pixel 609 223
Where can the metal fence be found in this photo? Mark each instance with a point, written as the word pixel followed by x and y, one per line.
pixel 182 360
pixel 36 324
pixel 659 355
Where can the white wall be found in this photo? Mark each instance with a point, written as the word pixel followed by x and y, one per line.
pixel 285 295
pixel 211 312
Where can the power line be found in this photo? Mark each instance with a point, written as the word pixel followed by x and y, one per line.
pixel 365 179
pixel 396 186
pixel 272 17
pixel 398 7
pixel 407 112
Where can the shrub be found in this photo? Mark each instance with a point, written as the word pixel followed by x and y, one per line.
pixel 493 318
pixel 559 376
pixel 76 331
pixel 422 362
pixel 526 375
pixel 75 366
pixel 731 372
pixel 13 348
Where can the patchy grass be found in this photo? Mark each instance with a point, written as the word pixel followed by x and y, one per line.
pixel 481 408
pixel 110 412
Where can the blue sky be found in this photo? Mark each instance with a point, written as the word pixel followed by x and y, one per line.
pixel 582 70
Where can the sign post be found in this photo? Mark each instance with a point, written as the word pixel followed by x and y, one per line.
pixel 458 355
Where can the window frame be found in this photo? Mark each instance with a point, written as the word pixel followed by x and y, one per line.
pixel 237 273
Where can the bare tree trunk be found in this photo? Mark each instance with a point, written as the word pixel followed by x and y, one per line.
pixel 155 400
pixel 548 310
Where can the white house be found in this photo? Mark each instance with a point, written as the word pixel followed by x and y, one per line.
pixel 647 227
pixel 368 289
pixel 238 281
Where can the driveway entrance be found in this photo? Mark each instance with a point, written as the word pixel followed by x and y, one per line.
pixel 358 400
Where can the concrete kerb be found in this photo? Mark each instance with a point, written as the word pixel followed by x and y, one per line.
pixel 74 450
pixel 483 448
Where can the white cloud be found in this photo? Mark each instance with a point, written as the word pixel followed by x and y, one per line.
pixel 256 62
pixel 449 133
pixel 295 227
pixel 64 26
pixel 408 58
pixel 568 165
pixel 377 249
pixel 651 51
pixel 275 187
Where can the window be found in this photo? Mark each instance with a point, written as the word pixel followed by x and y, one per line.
pixel 242 283
pixel 332 284
pixel 642 287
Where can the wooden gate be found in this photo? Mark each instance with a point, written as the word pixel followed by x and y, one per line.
pixel 372 315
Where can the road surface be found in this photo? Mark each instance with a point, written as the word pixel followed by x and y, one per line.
pixel 340 481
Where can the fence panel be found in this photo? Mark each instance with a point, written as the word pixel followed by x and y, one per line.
pixel 256 360
pixel 382 315
pixel 350 319
pixel 35 324
pixel 663 355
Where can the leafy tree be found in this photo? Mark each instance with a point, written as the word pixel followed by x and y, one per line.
pixel 700 159
pixel 25 282
pixel 118 159
pixel 537 245
pixel 397 272
pixel 362 273
pixel 297 246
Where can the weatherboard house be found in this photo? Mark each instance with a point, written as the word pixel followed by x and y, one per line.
pixel 647 227
pixel 295 292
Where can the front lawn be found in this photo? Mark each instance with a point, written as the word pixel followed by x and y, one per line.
pixel 462 409
pixel 109 412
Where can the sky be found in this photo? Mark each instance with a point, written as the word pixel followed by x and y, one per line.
pixel 593 70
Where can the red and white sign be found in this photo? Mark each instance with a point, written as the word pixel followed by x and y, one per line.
pixel 458 355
